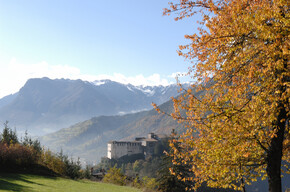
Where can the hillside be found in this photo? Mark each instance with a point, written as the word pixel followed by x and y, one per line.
pixel 44 105
pixel 89 139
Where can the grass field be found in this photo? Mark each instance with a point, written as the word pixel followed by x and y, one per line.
pixel 30 183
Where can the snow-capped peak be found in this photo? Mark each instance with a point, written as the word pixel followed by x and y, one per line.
pixel 100 82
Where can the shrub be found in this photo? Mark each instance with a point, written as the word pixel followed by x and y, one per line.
pixel 16 155
pixel 137 183
pixel 150 184
pixel 115 176
pixel 52 162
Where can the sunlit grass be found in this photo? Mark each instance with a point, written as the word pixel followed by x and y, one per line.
pixel 30 183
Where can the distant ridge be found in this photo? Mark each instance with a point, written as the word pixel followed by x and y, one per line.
pixel 44 105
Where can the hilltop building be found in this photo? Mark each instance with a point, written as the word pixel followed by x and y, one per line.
pixel 117 149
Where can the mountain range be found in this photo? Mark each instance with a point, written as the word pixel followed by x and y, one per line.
pixel 44 105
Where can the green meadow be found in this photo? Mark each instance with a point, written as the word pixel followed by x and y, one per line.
pixel 30 183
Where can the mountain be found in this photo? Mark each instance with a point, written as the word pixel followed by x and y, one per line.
pixel 7 99
pixel 43 105
pixel 89 139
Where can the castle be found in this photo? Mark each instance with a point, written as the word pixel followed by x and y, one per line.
pixel 117 149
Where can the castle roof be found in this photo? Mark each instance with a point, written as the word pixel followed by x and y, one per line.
pixel 154 140
pixel 113 142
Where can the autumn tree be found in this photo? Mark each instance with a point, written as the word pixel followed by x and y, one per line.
pixel 238 129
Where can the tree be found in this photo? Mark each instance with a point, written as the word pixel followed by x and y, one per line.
pixel 27 141
pixel 238 128
pixel 8 136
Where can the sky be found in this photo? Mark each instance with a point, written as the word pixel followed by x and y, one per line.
pixel 128 41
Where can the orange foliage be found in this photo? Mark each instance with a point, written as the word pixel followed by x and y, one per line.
pixel 239 127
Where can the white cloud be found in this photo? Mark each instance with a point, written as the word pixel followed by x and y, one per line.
pixel 14 75
pixel 151 80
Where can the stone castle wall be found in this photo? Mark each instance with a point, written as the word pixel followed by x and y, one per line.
pixel 117 149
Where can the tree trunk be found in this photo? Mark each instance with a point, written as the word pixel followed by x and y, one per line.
pixel 244 187
pixel 274 156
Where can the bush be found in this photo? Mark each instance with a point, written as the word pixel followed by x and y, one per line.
pixel 137 183
pixel 52 162
pixel 16 155
pixel 61 164
pixel 150 184
pixel 115 176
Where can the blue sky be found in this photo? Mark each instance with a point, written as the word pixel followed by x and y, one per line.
pixel 126 40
